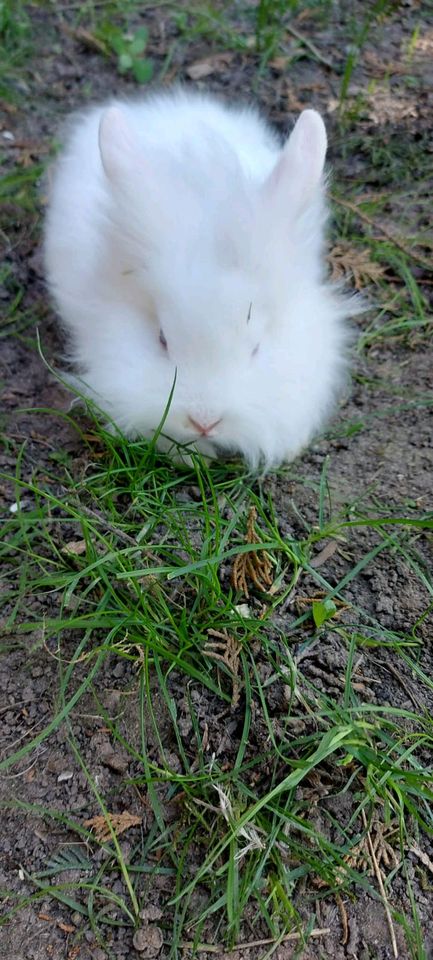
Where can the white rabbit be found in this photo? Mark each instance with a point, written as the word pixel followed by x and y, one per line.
pixel 184 245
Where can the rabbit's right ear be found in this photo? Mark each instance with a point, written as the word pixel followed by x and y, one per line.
pixel 118 147
pixel 298 172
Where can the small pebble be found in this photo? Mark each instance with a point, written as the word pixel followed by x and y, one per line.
pixel 148 940
pixel 118 670
pixel 116 761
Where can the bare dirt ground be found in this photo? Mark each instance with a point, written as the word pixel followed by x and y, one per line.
pixel 379 448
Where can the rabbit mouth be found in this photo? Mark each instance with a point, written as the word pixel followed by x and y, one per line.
pixel 203 428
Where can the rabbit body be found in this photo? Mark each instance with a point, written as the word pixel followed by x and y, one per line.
pixel 184 246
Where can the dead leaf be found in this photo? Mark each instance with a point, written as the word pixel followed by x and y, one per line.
pixel 255 565
pixel 424 44
pixel 119 822
pixel 197 71
pixel 7 107
pixel 66 927
pixel 425 859
pixel 294 104
pixel 308 14
pixel 74 952
pixel 347 261
pixel 377 67
pixel 74 548
pixel 385 107
pixel 204 68
pixel 279 64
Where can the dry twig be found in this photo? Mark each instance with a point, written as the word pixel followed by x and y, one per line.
pixel 391 669
pixel 354 208
pixel 306 42
pixel 111 528
pixel 340 605
pixel 87 39
pixel 379 878
pixel 214 948
pixel 344 921
pixel 366 856
pixel 255 566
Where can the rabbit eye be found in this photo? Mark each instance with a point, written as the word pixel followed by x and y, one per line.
pixel 162 340
pixel 256 350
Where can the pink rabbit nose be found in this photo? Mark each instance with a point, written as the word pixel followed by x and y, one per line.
pixel 202 428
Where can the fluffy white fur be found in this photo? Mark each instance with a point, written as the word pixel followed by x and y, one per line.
pixel 180 219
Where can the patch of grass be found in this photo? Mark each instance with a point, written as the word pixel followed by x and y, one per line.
pixel 19 187
pixel 361 32
pixel 269 24
pixel 392 225
pixel 209 22
pixel 260 31
pixel 16 317
pixel 133 560
pixel 15 45
pixel 14 22
pixel 129 48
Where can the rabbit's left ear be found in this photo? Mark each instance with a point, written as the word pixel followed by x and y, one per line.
pixel 118 147
pixel 299 169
